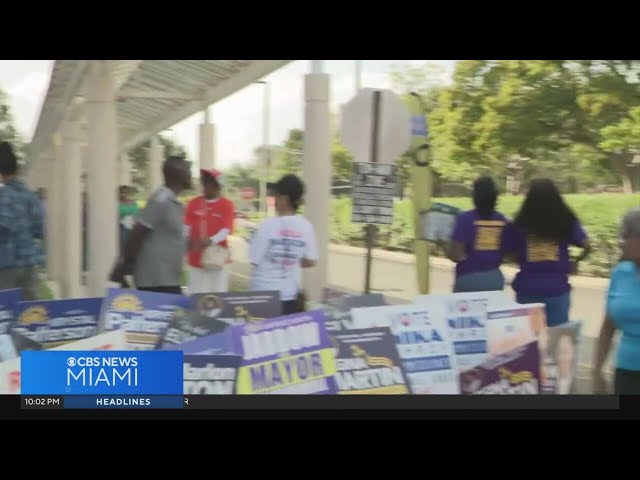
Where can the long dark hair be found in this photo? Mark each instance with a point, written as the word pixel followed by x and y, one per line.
pixel 544 212
pixel 485 196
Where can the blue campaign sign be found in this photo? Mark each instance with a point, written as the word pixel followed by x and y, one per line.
pixel 8 299
pixel 144 315
pixel 55 372
pixel 218 343
pixel 419 126
pixel 56 322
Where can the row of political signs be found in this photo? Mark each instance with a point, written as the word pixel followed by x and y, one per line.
pixel 239 343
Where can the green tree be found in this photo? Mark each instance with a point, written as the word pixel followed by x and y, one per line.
pixel 427 80
pixel 622 141
pixel 8 132
pixel 550 112
pixel 288 156
pixel 139 160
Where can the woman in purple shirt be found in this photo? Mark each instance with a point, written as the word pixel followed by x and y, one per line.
pixel 477 242
pixel 540 237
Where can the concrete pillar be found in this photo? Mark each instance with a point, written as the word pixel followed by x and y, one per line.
pixel 102 181
pixel 207 143
pixel 316 168
pixel 56 211
pixel 156 158
pixel 52 224
pixel 124 170
pixel 71 168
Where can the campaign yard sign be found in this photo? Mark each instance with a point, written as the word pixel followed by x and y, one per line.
pixel 509 373
pixel 55 322
pixel 466 319
pixel 210 374
pixel 367 362
pixel 492 300
pixel 7 349
pixel 8 299
pixel 423 342
pixel 513 327
pixel 218 343
pixel 238 308
pixel 144 316
pixel 285 355
pixel 333 296
pixel 11 369
pixel 339 313
pixel 214 313
pixel 559 347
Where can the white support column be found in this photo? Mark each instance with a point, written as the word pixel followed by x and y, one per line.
pixel 124 170
pixel 207 142
pixel 71 167
pixel 316 168
pixel 156 158
pixel 52 212
pixel 102 181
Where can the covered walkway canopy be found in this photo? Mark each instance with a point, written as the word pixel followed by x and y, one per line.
pixel 95 111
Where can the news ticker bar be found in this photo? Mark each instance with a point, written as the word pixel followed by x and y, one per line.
pixel 323 402
pixel 57 402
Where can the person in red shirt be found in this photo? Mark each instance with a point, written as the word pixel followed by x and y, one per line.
pixel 208 220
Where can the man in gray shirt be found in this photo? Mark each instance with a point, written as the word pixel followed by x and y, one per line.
pixel 155 248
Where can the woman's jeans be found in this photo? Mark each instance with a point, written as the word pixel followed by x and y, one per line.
pixel 489 281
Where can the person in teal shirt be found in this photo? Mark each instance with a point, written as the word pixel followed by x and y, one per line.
pixel 127 211
pixel 623 313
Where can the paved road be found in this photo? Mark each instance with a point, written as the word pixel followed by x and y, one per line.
pixel 393 274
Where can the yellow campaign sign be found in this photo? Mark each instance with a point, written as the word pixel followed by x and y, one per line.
pixel 302 373
pixel 388 390
pixel 421 186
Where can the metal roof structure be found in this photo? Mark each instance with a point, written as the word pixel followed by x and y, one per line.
pixel 152 95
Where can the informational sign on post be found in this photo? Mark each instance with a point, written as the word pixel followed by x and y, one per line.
pixel 376 128
pixel 373 189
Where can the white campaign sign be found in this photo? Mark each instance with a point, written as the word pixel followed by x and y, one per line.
pixel 423 343
pixel 10 370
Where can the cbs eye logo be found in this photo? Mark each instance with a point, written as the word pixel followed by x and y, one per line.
pixel 71 362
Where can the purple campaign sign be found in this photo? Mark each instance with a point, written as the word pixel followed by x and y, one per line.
pixel 285 355
pixel 513 372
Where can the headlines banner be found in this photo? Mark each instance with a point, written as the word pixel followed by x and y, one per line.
pixel 55 322
pixel 423 342
pixel 367 362
pixel 510 373
pixel 210 374
pixel 145 316
pixel 51 372
pixel 285 355
pixel 8 300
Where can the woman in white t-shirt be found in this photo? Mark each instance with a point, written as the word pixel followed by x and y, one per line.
pixel 283 245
